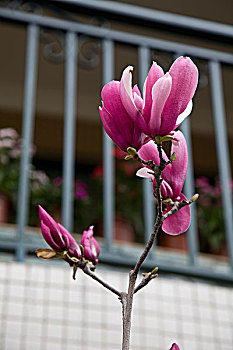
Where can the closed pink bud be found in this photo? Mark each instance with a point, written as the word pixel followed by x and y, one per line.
pixel 90 246
pixel 175 347
pixel 57 236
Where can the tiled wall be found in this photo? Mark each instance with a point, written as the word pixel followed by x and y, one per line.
pixel 41 307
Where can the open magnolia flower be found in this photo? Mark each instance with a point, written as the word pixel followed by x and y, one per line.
pixel 167 98
pixel 173 179
pixel 63 243
pixel 166 102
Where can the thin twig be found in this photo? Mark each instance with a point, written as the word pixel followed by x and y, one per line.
pixel 146 279
pixel 88 272
pixel 177 206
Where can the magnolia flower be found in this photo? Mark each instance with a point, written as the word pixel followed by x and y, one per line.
pixel 173 179
pixel 117 123
pixel 90 246
pixel 57 236
pixel 175 347
pixel 167 98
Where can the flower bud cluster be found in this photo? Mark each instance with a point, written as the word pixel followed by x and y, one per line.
pixel 63 243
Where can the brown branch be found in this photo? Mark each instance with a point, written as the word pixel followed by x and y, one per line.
pixel 87 271
pixel 176 207
pixel 134 273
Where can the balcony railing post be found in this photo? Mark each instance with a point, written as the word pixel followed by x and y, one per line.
pixel 189 191
pixel 27 134
pixel 222 150
pixel 69 130
pixel 148 199
pixel 108 160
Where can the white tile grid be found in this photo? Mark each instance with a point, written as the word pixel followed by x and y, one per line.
pixel 42 307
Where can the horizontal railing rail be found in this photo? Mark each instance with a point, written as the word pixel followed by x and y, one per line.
pixel 144 44
pixel 151 15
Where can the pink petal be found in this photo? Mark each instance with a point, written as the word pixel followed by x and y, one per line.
pixel 178 222
pixel 116 121
pixel 175 173
pixel 160 93
pixel 184 82
pixel 126 93
pixel 136 90
pixel 71 245
pixel 145 172
pixel 137 100
pixel 52 225
pixel 154 74
pixel 149 152
pixel 185 114
pixel 48 237
pixel 113 130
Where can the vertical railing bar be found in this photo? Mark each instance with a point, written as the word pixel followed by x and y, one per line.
pixel 69 129
pixel 144 58
pixel 222 150
pixel 189 190
pixel 108 160
pixel 27 134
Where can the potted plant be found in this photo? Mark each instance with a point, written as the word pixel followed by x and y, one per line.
pixel 10 152
pixel 210 216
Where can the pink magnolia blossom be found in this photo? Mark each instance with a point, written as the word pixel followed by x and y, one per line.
pixel 173 179
pixel 167 98
pixel 90 246
pixel 175 347
pixel 57 236
pixel 117 123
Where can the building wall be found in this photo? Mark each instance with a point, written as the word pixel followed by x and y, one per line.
pixel 41 307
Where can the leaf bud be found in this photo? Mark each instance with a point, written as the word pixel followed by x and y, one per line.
pixel 128 157
pixel 167 138
pixel 173 157
pixel 194 198
pixel 168 201
pixel 132 151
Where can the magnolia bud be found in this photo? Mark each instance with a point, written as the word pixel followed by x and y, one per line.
pixel 90 246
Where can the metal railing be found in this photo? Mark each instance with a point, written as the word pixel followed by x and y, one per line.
pixel 145 44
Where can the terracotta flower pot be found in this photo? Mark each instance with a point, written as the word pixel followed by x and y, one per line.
pixel 173 242
pixel 123 230
pixel 4 208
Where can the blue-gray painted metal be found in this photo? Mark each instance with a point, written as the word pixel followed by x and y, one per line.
pixel 155 16
pixel 27 134
pixel 114 35
pixel 189 192
pixel 222 150
pixel 108 160
pixel 69 130
pixel 144 56
pixel 29 104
